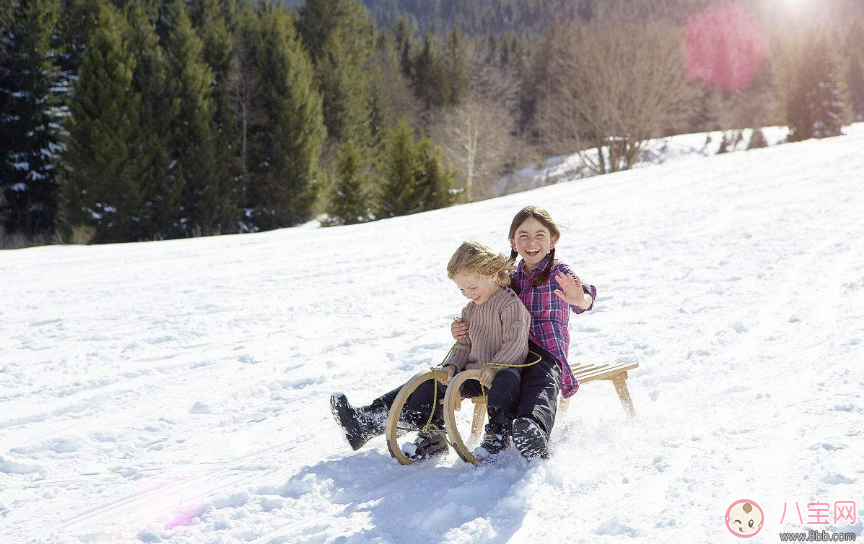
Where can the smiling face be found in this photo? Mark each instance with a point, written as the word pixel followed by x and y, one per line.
pixel 744 518
pixel 477 288
pixel 532 241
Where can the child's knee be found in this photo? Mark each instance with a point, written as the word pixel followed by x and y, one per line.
pixel 507 378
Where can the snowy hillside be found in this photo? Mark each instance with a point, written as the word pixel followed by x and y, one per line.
pixel 178 391
pixel 657 151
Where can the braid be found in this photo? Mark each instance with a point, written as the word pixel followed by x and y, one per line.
pixel 541 279
pixel 514 286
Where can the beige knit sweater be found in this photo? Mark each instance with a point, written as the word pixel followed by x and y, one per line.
pixel 498 332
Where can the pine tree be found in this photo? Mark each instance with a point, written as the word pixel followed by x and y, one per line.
pixel 30 116
pixel 213 20
pixel 455 68
pixel 319 19
pixel 397 190
pixel 339 35
pixel 193 146
pixel 286 139
pixel 415 180
pixel 428 82
pixel 161 197
pixel 78 23
pixel 817 105
pixel 7 15
pixel 99 183
pixel 435 179
pixel 854 52
pixel 348 202
pixel 380 110
pixel 404 38
pixel 345 87
pixel 856 85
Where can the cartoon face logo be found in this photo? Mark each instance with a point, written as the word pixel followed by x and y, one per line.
pixel 744 518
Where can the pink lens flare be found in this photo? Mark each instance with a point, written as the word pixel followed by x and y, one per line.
pixel 725 46
pixel 184 515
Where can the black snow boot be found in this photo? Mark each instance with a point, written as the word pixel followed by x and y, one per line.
pixel 359 424
pixel 496 438
pixel 426 445
pixel 530 439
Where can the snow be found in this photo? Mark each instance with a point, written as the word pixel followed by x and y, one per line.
pixel 177 391
pixel 660 150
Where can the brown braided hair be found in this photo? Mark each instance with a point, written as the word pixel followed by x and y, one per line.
pixel 545 219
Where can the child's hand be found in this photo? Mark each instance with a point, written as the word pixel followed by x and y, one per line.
pixel 459 329
pixel 571 290
pixel 487 375
pixel 450 370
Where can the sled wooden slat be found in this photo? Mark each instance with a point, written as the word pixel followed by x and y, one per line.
pixel 602 373
pixel 581 369
pixel 617 374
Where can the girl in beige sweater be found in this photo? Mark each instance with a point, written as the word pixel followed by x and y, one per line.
pixel 498 334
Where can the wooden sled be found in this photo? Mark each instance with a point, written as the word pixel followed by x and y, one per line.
pixel 452 400
pixel 617 374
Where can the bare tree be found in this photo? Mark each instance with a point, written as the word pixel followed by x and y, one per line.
pixel 478 135
pixel 619 83
pixel 244 91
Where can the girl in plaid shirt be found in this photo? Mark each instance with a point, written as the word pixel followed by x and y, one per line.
pixel 549 290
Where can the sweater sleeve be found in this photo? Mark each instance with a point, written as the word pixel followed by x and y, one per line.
pixel 459 356
pixel 515 321
pixel 588 289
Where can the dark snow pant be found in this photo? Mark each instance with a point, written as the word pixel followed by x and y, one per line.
pixel 538 393
pixel 501 400
pixel 417 407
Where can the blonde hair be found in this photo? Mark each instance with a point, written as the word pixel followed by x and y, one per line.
pixel 474 258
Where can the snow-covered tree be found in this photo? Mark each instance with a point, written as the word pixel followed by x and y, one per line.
pixel 31 113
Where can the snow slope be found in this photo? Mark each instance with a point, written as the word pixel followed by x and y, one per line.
pixel 657 151
pixel 178 391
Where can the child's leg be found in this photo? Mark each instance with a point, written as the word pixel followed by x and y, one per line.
pixel 470 389
pixel 419 405
pixel 539 393
pixel 384 402
pixel 503 398
pixel 374 414
pixel 361 424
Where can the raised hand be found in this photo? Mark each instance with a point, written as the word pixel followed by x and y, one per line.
pixel 571 290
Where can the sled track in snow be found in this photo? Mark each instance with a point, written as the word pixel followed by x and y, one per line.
pixel 205 483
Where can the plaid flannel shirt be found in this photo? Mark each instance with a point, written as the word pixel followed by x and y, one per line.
pixel 550 315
